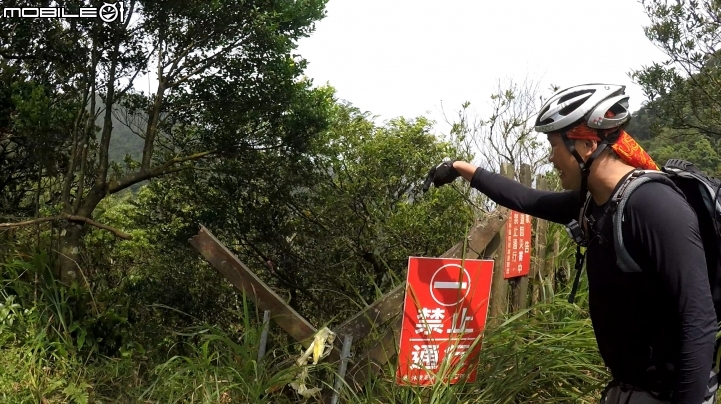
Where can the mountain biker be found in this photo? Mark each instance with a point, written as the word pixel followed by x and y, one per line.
pixel 655 329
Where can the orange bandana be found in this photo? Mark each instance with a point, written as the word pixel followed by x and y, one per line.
pixel 626 147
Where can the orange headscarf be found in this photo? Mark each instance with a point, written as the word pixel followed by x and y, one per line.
pixel 626 147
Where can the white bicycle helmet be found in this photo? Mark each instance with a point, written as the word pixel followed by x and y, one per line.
pixel 589 102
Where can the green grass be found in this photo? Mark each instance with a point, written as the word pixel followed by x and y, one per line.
pixel 54 349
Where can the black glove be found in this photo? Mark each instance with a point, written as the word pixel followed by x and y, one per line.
pixel 440 175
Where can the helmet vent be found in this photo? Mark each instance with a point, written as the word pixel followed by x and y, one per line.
pixel 572 107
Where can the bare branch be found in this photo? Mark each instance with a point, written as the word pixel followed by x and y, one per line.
pixel 127 88
pixel 183 53
pixel 102 177
pixel 69 217
pixel 163 169
pixel 75 148
pixel 203 64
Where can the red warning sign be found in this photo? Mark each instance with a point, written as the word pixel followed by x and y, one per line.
pixel 444 315
pixel 517 245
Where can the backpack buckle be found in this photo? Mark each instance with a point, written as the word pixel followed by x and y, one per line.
pixel 616 198
pixel 575 231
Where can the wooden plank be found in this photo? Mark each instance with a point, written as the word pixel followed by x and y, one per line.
pixel 491 248
pixel 379 312
pixel 480 236
pixel 373 360
pixel 246 281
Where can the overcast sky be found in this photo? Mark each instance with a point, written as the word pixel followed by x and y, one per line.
pixel 406 57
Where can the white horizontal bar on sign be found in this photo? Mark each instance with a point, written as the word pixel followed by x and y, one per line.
pixel 448 339
pixel 450 285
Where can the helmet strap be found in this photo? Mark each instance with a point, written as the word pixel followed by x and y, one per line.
pixel 585 166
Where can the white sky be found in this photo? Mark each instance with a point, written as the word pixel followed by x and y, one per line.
pixel 406 57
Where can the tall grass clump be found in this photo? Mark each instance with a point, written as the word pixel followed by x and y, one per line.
pixel 545 354
pixel 56 346
pixel 45 345
pixel 221 368
pixel 81 344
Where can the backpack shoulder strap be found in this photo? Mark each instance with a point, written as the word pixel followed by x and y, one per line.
pixel 618 205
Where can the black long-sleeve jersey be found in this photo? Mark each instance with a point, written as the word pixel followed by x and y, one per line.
pixel 654 329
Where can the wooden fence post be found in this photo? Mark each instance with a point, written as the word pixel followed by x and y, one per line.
pixel 551 268
pixel 499 288
pixel 538 267
pixel 520 295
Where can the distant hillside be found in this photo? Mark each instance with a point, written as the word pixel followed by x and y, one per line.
pixel 640 126
pixel 663 143
pixel 123 141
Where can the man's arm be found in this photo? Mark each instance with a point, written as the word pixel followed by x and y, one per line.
pixel 662 222
pixel 466 170
pixel 558 207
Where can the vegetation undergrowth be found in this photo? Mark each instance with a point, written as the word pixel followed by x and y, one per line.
pixel 64 345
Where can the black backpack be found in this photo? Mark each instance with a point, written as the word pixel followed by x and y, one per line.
pixel 703 194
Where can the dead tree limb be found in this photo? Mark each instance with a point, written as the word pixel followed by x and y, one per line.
pixel 71 218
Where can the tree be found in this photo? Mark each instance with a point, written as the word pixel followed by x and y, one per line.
pixel 337 225
pixel 227 85
pixel 644 124
pixel 33 123
pixel 507 135
pixel 684 89
pixel 694 147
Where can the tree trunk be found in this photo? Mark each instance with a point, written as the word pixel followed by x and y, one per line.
pixel 67 264
pixel 71 236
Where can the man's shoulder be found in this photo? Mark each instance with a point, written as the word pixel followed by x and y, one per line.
pixel 658 201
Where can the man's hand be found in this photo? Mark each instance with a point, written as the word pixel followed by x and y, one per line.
pixel 440 175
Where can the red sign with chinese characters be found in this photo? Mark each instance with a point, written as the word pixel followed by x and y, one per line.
pixel 444 314
pixel 518 245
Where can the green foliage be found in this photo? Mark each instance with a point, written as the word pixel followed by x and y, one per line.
pixel 37 124
pixel 229 86
pixel 52 330
pixel 664 142
pixel 331 226
pixel 643 125
pixel 681 118
pixel 683 90
pixel 222 368
pixel 701 150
